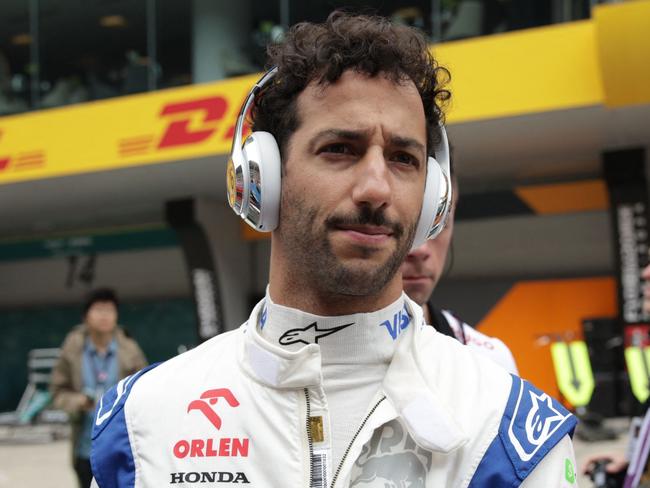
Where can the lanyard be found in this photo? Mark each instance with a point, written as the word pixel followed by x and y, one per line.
pixel 101 374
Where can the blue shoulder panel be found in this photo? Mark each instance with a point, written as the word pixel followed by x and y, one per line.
pixel 111 456
pixel 532 424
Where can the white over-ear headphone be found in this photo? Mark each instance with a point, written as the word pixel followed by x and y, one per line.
pixel 253 178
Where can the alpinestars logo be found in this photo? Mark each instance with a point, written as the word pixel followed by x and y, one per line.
pixel 536 418
pixel 541 418
pixel 309 335
pixel 212 447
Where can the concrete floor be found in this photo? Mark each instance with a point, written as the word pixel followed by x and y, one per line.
pixel 30 458
pixel 33 460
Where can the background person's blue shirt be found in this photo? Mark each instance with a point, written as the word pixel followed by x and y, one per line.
pixel 99 372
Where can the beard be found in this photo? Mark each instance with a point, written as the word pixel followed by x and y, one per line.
pixel 307 243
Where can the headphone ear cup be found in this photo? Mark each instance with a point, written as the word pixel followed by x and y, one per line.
pixel 262 156
pixel 435 186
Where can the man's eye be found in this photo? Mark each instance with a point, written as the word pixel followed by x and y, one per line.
pixel 336 149
pixel 405 158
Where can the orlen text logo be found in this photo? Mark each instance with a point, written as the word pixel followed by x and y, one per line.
pixel 212 447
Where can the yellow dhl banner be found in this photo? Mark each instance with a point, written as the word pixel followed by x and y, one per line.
pixel 168 125
pixel 602 62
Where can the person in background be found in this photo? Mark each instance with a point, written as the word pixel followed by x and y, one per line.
pixel 422 271
pixel 95 355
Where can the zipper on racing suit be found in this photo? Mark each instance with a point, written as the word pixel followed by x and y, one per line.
pixel 318 482
pixel 310 440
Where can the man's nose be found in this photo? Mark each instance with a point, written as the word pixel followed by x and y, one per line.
pixel 420 253
pixel 372 187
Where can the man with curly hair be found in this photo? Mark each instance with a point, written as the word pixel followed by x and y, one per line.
pixel 334 381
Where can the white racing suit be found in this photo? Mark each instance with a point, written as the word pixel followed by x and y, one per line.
pixel 240 410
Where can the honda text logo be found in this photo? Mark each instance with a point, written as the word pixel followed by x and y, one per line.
pixel 209 477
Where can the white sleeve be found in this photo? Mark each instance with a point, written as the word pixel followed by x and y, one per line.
pixel 94 484
pixel 505 357
pixel 557 469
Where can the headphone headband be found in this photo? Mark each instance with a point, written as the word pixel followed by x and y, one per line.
pixel 238 172
pixel 241 118
pixel 441 153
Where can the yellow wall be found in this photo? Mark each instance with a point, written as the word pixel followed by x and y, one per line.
pixel 535 70
pixel 623 34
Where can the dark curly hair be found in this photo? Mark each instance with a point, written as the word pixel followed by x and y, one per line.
pixel 370 45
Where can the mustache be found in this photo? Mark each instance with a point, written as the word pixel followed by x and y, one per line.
pixel 367 216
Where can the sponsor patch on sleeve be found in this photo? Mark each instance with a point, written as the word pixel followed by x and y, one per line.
pixel 569 471
pixel 533 423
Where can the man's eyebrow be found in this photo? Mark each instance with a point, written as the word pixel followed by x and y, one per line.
pixel 407 143
pixel 349 135
pixel 359 135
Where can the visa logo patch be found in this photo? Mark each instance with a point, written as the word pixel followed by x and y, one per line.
pixel 401 321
